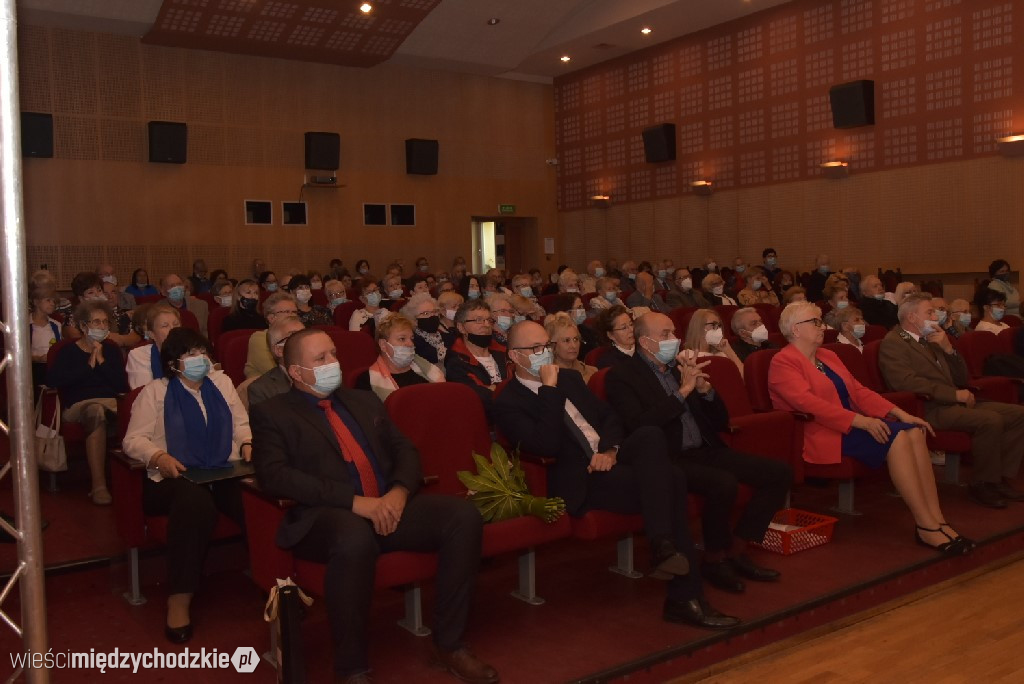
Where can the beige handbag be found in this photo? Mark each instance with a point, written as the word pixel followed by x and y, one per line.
pixel 51 455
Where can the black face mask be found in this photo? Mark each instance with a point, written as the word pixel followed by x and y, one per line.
pixel 247 303
pixel 428 325
pixel 482 341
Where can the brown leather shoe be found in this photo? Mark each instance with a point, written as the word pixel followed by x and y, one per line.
pixel 465 666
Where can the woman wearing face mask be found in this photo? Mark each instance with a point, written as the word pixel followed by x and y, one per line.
pixel 245 309
pixel 392 291
pixel 309 314
pixel 363 270
pixel 567 344
pixel 999 272
pixel 335 293
pixel 45 330
pixel 223 293
pixel 398 364
pixel 475 359
pixel 268 283
pixel 429 338
pixel 471 287
pixel 614 328
pixel 706 337
pixel 851 420
pixel 713 286
pixel 88 287
pixel 189 418
pixel 572 305
pixel 758 289
pixel 782 281
pixel 89 375
pixel 851 326
pixel 140 287
pixel 607 296
pixel 367 318
pixel 794 294
pixel 504 315
pixel 992 305
pixel 144 363
pixel 448 304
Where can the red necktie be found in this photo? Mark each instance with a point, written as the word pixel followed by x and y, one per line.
pixel 351 451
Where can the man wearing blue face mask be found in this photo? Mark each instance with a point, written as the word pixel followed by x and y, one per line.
pixel 877 309
pixel 356 481
pixel 550 412
pixel 661 387
pixel 172 287
pixel 999 271
pixel 816 284
pixel 607 296
pixel 770 258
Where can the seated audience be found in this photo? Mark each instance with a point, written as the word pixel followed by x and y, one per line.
pixel 663 277
pixel 194 312
pixel 87 287
pixel 256 268
pixel 504 315
pixel 992 306
pixel 259 359
pixel 751 332
pixel 852 421
pixel 121 299
pixel 470 288
pixel 430 340
pixel 267 281
pixel 363 270
pixel 770 259
pixel 566 344
pixel 335 293
pixel 200 282
pixel 837 296
pixel 316 280
pixel 398 364
pixel 367 318
pixel 528 309
pixel 713 286
pixel 144 363
pixel 521 285
pixel 918 357
pixel 999 272
pixel 309 314
pixel 599 467
pixel 588 281
pixel 794 294
pixel 45 330
pixel 851 326
pixel 876 308
pixel 782 282
pixel 245 309
pixel 186 419
pixel 568 282
pixel 681 292
pixel 391 286
pixel 758 289
pixel 959 320
pixel 275 381
pixel 644 294
pixel 140 285
pixel 448 304
pixel 904 290
pixel 614 328
pixel 661 388
pixel 475 359
pixel 223 292
pixel 816 283
pixel 350 511
pixel 705 337
pixel 89 375
pixel 607 296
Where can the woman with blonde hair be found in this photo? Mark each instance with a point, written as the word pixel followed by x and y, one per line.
pixel 565 344
pixel 706 336
pixel 397 364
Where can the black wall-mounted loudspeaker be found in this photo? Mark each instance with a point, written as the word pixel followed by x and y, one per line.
pixel 853 104
pixel 36 134
pixel 323 151
pixel 168 142
pixel 660 143
pixel 421 157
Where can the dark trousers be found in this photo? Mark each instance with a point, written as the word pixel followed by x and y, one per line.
pixel 644 481
pixel 348 545
pixel 716 473
pixel 997 436
pixel 192 512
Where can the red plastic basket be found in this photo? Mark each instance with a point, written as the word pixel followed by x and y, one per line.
pixel 812 530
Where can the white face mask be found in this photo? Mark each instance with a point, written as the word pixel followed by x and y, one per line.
pixel 450 314
pixel 759 334
pixel 717 290
pixel 303 296
pixel 224 300
pixel 755 285
pixel 686 285
pixel 714 337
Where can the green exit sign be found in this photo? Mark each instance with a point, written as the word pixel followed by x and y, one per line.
pixel 506 208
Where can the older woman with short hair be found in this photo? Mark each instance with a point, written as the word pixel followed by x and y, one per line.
pixel 448 302
pixel 429 339
pixel 223 292
pixel 706 337
pixel 794 294
pixel 614 327
pixel 398 364
pixel 851 326
pixel 475 359
pixel 999 272
pixel 758 289
pixel 850 420
pixel 310 314
pixel 144 363
pixel 504 315
pixel 566 344
pixel 713 286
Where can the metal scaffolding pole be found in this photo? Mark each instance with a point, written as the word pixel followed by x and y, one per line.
pixel 17 363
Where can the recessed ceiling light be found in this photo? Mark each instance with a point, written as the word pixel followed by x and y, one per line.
pixel 565 58
pixel 646 30
pixel 492 21
pixel 366 8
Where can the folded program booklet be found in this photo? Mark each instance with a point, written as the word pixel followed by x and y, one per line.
pixel 232 470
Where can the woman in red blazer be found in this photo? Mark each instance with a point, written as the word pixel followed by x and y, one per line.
pixel 851 420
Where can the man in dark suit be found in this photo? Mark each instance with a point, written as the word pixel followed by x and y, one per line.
pixel 876 308
pixel 663 388
pixel 918 357
pixel 355 478
pixel 550 412
pixel 682 293
pixel 275 381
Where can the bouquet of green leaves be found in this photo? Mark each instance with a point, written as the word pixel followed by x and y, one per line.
pixel 499 489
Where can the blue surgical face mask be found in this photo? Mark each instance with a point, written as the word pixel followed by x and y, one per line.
pixel 177 293
pixel 98 334
pixel 770 262
pixel 859 329
pixel 338 301
pixel 842 304
pixel 395 294
pixel 823 270
pixel 327 377
pixel 599 272
pixel 373 299
pixel 740 269
pixel 942 316
pixel 503 322
pixel 667 350
pixel 526 291
pixel 755 285
pixel 473 293
pixel 578 315
pixel 271 287
pixel 662 273
pixel 928 326
pixel 520 318
pixel 998 313
pixel 545 358
pixel 965 318
pixel 195 368
pixel 611 295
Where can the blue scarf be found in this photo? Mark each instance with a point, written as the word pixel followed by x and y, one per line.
pixel 197 443
pixel 154 362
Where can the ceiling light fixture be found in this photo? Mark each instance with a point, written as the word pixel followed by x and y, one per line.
pixel 366 8
pixel 702 187
pixel 646 30
pixel 835 169
pixel 565 58
pixel 1011 145
pixel 493 20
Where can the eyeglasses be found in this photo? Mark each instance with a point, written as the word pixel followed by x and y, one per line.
pixel 428 314
pixel 290 312
pixel 95 322
pixel 624 328
pixel 481 321
pixel 817 322
pixel 535 349
pixel 570 340
pixel 502 312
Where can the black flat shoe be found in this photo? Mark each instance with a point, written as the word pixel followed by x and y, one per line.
pixel 968 543
pixel 723 576
pixel 178 635
pixel 697 612
pixel 748 569
pixel 667 562
pixel 953 547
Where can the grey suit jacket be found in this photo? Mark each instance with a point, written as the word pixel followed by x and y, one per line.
pixel 909 366
pixel 275 381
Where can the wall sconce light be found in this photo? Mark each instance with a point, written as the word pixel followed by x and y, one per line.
pixel 1011 145
pixel 702 187
pixel 835 169
pixel 603 201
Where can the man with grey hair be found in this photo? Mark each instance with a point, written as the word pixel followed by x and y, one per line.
pixel 644 294
pixel 275 381
pixel 918 357
pixel 876 308
pixel 751 331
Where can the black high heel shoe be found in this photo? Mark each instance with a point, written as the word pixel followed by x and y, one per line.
pixel 969 544
pixel 178 635
pixel 954 547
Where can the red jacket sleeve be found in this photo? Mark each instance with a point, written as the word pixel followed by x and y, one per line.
pixel 793 388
